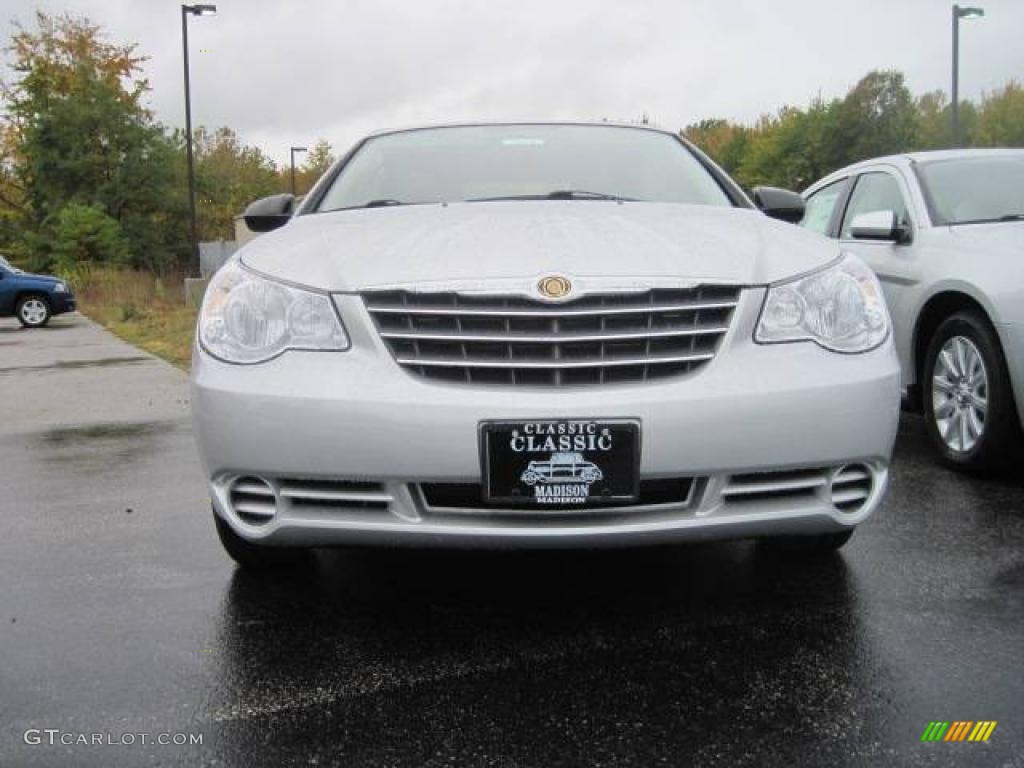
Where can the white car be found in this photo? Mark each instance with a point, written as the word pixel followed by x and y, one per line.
pixel 450 304
pixel 945 233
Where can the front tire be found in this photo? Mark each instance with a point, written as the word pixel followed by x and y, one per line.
pixel 968 400
pixel 255 556
pixel 33 311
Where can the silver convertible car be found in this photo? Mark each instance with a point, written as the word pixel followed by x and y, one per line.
pixel 450 304
pixel 945 233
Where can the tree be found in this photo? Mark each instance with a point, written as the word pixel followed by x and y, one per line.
pixel 85 234
pixel 791 149
pixel 796 146
pixel 935 127
pixel 229 176
pixel 81 135
pixel 12 197
pixel 877 117
pixel 1000 120
pixel 726 142
pixel 318 160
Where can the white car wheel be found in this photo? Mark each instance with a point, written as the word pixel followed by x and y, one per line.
pixel 960 394
pixel 969 407
pixel 33 312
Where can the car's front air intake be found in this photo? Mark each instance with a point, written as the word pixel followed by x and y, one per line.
pixel 851 487
pixel 333 497
pixel 786 486
pixel 848 488
pixel 253 500
pixel 258 500
pixel 593 340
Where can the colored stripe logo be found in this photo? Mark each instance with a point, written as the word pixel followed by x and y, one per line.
pixel 958 730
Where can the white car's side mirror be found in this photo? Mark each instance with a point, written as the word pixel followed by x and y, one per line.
pixel 878 225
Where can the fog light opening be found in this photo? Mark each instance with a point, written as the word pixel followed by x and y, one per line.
pixel 851 488
pixel 252 500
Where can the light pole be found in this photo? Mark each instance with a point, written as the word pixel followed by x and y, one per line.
pixel 186 11
pixel 959 13
pixel 293 150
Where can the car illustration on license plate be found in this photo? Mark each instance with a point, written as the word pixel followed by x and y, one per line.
pixel 561 463
pixel 562 467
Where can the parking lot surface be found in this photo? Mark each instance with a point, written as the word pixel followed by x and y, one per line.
pixel 120 614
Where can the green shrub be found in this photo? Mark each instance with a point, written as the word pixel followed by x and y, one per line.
pixel 131 312
pixel 85 234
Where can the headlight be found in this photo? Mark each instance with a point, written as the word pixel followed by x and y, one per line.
pixel 60 288
pixel 250 319
pixel 840 307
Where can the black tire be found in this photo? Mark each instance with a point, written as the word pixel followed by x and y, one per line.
pixel 33 311
pixel 817 545
pixel 256 557
pixel 999 441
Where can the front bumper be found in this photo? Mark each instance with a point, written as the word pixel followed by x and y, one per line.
pixel 358 420
pixel 1012 337
pixel 61 303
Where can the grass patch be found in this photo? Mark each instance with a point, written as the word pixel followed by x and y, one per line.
pixel 144 309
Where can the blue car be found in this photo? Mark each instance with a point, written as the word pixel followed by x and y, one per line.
pixel 33 299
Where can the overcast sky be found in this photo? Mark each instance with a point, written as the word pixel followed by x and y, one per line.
pixel 284 73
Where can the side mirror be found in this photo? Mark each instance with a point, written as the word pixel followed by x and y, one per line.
pixel 780 204
pixel 879 225
pixel 269 213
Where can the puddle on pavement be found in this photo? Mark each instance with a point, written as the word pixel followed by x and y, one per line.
pixel 93 447
pixel 99 362
pixel 111 431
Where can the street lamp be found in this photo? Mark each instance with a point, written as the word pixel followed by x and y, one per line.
pixel 959 13
pixel 293 150
pixel 186 11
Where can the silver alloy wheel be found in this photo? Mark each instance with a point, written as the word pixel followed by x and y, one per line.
pixel 960 394
pixel 33 311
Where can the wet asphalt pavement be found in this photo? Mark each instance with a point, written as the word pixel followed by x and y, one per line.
pixel 120 614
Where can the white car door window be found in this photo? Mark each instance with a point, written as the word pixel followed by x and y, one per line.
pixel 875 191
pixel 820 207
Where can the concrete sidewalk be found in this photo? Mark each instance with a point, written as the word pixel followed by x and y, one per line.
pixel 60 376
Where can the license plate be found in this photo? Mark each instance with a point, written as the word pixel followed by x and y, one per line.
pixel 560 463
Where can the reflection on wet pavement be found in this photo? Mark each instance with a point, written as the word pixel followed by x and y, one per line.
pixel 693 655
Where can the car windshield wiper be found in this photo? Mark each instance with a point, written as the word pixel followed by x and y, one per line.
pixel 384 202
pixel 1005 217
pixel 558 194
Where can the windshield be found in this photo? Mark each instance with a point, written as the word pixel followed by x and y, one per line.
pixel 974 190
pixel 516 162
pixel 5 264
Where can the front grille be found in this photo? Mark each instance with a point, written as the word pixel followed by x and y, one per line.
pixel 593 340
pixel 760 487
pixel 469 497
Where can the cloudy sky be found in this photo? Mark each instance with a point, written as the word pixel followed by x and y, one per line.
pixel 284 73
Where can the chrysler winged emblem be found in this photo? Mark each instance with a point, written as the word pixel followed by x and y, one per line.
pixel 554 287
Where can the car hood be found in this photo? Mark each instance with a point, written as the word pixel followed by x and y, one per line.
pixel 994 236
pixel 37 278
pixel 452 245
